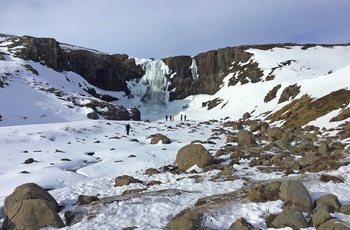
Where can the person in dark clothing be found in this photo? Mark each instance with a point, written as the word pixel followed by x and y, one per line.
pixel 185 118
pixel 166 117
pixel 127 129
pixel 181 117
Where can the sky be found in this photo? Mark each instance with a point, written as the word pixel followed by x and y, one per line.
pixel 158 29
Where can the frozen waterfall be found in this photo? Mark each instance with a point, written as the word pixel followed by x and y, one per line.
pixel 194 69
pixel 151 92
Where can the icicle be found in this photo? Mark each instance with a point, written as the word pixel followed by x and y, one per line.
pixel 194 69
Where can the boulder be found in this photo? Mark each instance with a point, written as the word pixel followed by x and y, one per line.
pixel 31 207
pixel 83 199
pixel 274 133
pixel 190 220
pixel 345 209
pixel 334 224
pixel 34 214
pixel 245 138
pixel 290 217
pixel 125 180
pixel 241 224
pixel 193 154
pixel 321 215
pixel 296 195
pixel 329 199
pixel 135 114
pixel 160 137
pixel 26 192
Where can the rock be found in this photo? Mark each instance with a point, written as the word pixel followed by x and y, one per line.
pixel 254 126
pixel 29 161
pixel 306 145
pixel 83 199
pixel 329 199
pixel 233 124
pixel 321 216
pixel 125 180
pixel 92 115
pixel 264 192
pixel 193 154
pixel 160 137
pixel 246 116
pixel 323 148
pixel 241 224
pixel 296 195
pixel 290 217
pixel 135 114
pixel 152 171
pixel 289 92
pixel 28 202
pixel 334 224
pixel 274 133
pixel 345 209
pixel 34 214
pixel 190 220
pixel 230 138
pixel 245 138
pixel 75 215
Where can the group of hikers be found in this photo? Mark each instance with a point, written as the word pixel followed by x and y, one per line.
pixel 171 118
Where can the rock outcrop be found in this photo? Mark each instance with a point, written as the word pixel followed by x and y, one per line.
pixel 31 207
pixel 109 72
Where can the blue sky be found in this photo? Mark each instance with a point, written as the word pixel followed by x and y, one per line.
pixel 155 28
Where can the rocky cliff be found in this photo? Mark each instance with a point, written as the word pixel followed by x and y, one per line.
pixel 110 72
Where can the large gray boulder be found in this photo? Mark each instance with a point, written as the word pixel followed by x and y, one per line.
pixel 34 214
pixel 296 195
pixel 193 154
pixel 328 199
pixel 245 138
pixel 290 217
pixel 31 207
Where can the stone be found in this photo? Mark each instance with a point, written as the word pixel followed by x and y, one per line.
pixel 160 137
pixel 34 214
pixel 345 209
pixel 245 138
pixel 296 195
pixel 193 154
pixel 274 133
pixel 84 199
pixel 190 220
pixel 321 216
pixel 329 199
pixel 334 224
pixel 26 192
pixel 290 217
pixel 241 224
pixel 125 180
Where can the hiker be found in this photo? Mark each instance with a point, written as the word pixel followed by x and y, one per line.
pixel 170 117
pixel 166 117
pixel 127 129
pixel 185 118
pixel 181 117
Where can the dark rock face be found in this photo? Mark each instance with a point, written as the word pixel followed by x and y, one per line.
pixel 105 71
pixel 212 66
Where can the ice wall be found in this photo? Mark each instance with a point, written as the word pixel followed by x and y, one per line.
pixel 151 92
